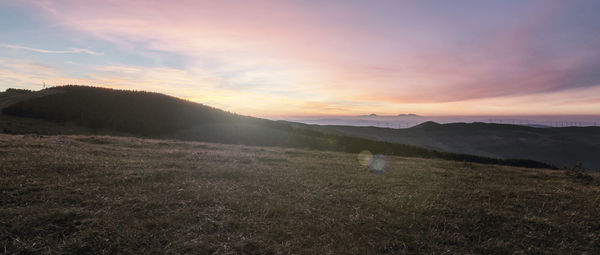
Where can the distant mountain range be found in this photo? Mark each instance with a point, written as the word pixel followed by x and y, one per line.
pixel 399 115
pixel 410 120
pixel 91 110
pixel 563 147
pixel 408 115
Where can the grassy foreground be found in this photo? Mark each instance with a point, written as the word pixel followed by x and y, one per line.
pixel 83 194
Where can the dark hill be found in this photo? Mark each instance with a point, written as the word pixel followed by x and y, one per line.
pixel 142 113
pixel 428 125
pixel 563 147
pixel 85 110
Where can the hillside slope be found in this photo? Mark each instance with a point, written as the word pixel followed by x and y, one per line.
pixel 563 147
pixel 106 195
pixel 84 110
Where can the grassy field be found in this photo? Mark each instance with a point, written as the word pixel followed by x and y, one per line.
pixel 84 194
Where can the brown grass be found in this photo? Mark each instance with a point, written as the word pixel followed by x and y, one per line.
pixel 83 194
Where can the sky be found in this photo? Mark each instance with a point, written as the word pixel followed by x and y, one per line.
pixel 316 58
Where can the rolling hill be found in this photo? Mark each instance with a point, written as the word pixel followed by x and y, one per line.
pixel 77 194
pixel 92 110
pixel 563 147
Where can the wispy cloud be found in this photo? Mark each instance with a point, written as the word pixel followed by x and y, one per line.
pixel 69 51
pixel 342 57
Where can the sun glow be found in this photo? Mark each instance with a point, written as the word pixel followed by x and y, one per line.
pixel 309 58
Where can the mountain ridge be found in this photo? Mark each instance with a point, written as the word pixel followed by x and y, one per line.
pixel 146 114
pixel 561 146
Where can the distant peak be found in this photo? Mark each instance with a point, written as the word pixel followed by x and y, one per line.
pixel 372 115
pixel 408 115
pixel 428 124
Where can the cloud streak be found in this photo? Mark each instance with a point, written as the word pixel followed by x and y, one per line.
pixel 69 51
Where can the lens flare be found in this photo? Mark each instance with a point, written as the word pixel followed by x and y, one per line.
pixel 365 157
pixel 378 164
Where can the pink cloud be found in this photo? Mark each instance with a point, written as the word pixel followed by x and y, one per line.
pixel 338 51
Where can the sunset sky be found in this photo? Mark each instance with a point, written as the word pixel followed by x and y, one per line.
pixel 295 58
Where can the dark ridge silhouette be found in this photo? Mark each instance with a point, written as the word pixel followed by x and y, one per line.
pixel 428 125
pixel 18 91
pixel 154 115
pixel 563 147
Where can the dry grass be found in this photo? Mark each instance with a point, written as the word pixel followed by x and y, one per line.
pixel 83 194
